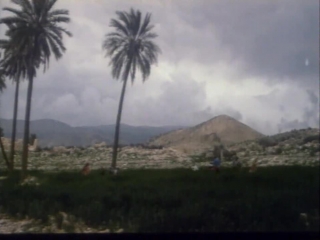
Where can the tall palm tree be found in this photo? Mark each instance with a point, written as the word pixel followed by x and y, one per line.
pixel 130 47
pixel 2 87
pixel 37 34
pixel 14 64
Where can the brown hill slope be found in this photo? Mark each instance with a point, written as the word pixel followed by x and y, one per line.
pixel 204 135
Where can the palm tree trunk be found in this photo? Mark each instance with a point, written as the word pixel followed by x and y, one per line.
pixel 14 126
pixel 4 154
pixel 24 160
pixel 116 134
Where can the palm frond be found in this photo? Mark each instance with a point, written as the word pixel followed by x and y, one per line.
pixel 12 20
pixel 123 16
pixel 25 4
pixel 60 19
pixel 20 14
pixel 50 4
pixel 145 24
pixel 57 12
pixel 119 27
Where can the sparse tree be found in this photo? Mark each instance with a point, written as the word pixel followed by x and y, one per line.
pixel 130 47
pixel 34 31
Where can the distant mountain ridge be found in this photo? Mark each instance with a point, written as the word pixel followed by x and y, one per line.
pixel 55 133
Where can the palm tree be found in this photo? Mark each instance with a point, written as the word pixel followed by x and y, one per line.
pixel 2 87
pixel 14 64
pixel 36 34
pixel 130 47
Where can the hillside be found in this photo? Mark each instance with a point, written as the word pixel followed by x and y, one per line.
pixel 55 133
pixel 221 128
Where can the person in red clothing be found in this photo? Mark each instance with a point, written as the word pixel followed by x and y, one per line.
pixel 85 170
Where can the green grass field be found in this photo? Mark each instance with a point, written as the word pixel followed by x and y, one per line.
pixel 178 200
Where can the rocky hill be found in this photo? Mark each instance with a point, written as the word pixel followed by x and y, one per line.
pixel 222 129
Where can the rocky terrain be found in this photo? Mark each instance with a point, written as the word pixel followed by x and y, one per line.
pixel 60 223
pixel 291 148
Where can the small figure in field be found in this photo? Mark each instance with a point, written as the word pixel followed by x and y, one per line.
pixel 85 170
pixel 216 164
pixel 253 166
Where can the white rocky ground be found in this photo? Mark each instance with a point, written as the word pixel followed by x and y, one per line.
pixel 289 152
pixel 61 223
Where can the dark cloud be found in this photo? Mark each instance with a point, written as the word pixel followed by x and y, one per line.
pixel 246 59
pixel 269 39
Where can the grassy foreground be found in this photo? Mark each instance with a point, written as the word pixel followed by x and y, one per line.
pixel 178 200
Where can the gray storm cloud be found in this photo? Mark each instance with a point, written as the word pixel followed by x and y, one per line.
pixel 270 38
pixel 268 41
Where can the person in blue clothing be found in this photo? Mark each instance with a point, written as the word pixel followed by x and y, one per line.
pixel 216 164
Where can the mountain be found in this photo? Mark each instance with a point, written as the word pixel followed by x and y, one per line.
pixel 55 133
pixel 221 128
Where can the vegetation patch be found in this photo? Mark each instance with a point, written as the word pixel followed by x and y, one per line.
pixel 175 200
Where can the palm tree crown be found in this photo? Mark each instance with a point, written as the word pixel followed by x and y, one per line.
pixel 34 32
pixel 14 63
pixel 131 45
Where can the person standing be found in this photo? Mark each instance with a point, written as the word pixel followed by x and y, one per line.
pixel 216 165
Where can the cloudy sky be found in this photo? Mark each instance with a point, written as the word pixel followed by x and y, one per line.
pixel 256 61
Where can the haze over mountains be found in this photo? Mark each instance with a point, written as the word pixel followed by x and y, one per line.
pixel 55 133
